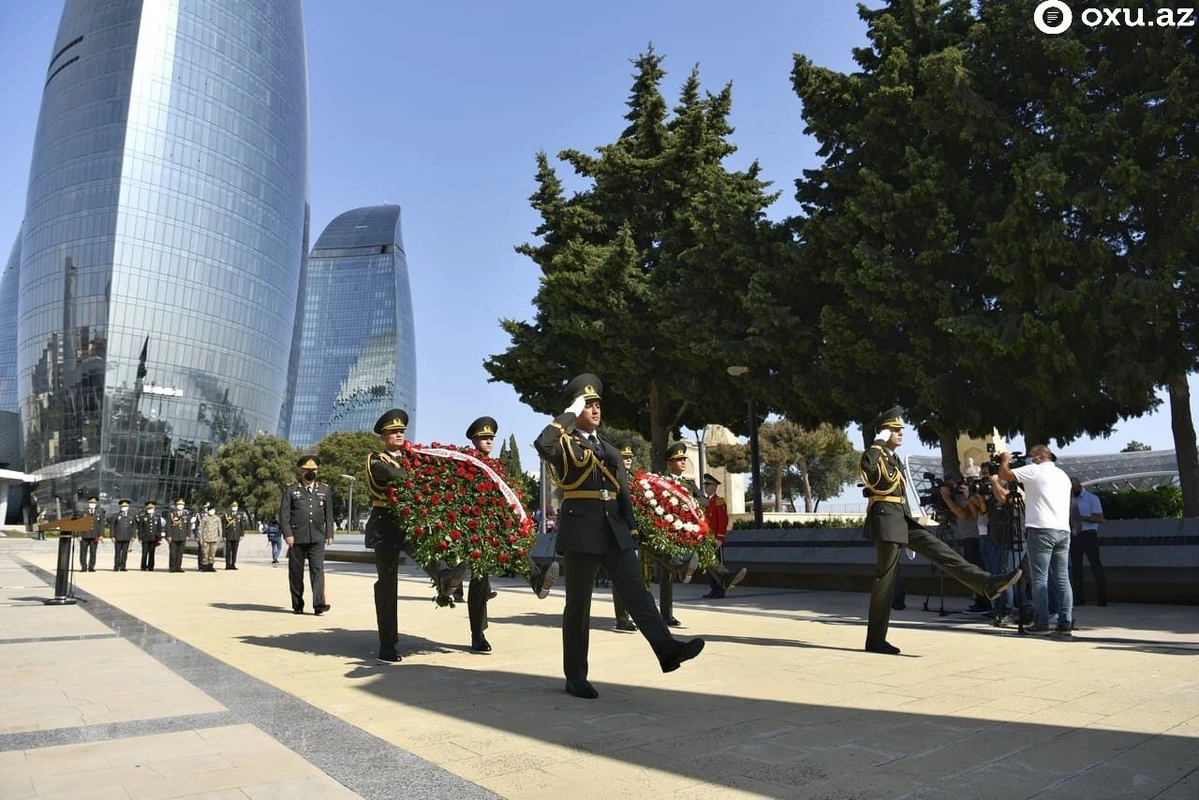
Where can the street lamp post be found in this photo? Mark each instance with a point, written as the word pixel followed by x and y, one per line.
pixel 755 459
pixel 351 479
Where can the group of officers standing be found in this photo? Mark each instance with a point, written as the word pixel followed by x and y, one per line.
pixel 150 528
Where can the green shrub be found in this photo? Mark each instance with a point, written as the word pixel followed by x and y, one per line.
pixel 824 522
pixel 1158 503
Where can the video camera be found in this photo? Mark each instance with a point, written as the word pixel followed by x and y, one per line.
pixel 1016 461
pixel 933 498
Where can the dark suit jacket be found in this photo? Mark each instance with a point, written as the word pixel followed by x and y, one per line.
pixel 99 523
pixel 306 515
pixel 882 475
pixel 382 527
pixel 587 525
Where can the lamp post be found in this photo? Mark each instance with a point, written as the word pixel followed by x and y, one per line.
pixel 351 479
pixel 755 460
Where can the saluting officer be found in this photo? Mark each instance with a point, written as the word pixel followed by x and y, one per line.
pixel 236 521
pixel 891 526
pixel 482 433
pixel 88 539
pixel 179 526
pixel 123 528
pixel 150 530
pixel 306 522
pixel 594 530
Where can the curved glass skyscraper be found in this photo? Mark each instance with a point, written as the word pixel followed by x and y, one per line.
pixel 357 341
pixel 164 241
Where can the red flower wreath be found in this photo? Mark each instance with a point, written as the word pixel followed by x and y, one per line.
pixel 669 521
pixel 457 506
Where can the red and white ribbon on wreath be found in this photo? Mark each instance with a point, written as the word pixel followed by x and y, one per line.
pixel 457 455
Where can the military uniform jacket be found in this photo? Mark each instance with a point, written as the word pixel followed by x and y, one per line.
pixel 210 528
pixel 887 517
pixel 179 525
pixel 123 527
pixel 596 507
pixel 150 527
pixel 717 515
pixel 382 469
pixel 691 488
pixel 306 513
pixel 99 522
pixel 235 525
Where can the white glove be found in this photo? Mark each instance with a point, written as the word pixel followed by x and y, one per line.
pixel 577 406
pixel 883 436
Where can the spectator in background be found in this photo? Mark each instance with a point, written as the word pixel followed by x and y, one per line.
pixel 720 577
pixel 276 539
pixel 1047 526
pixel 955 491
pixel 1086 512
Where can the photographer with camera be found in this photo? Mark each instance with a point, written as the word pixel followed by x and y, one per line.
pixel 1047 522
pixel 955 494
pixel 891 526
pixel 999 517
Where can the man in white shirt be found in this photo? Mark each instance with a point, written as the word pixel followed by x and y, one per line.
pixel 1047 527
pixel 1085 530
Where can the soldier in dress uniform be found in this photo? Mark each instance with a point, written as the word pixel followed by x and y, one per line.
pixel 306 522
pixel 890 524
pixel 123 527
pixel 623 621
pixel 720 577
pixel 482 433
pixel 90 538
pixel 236 521
pixel 671 568
pixel 179 525
pixel 150 530
pixel 594 530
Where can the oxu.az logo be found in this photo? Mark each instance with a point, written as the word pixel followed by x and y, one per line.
pixel 1054 16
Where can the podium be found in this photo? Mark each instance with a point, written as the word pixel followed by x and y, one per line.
pixel 64 594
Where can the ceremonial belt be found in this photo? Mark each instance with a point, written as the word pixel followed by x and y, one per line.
pixel 884 499
pixel 379 504
pixel 589 494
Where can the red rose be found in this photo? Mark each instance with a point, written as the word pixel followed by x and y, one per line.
pixel 476 555
pixel 405 511
pixel 443 545
pixel 478 512
pixel 511 539
pixel 451 516
pixel 474 538
pixel 455 534
pixel 473 524
pixel 418 531
pixel 503 557
pixel 520 552
pixel 391 495
pixel 408 484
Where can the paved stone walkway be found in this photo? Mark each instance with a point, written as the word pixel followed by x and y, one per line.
pixel 205 685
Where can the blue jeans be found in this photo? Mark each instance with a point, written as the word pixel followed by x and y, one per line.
pixel 993 560
pixel 1049 554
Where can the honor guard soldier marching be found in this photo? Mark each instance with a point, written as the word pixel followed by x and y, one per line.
pixel 236 522
pixel 890 524
pixel 623 621
pixel 306 522
pixel 90 538
pixel 150 530
pixel 178 527
pixel 595 529
pixel 482 433
pixel 123 528
pixel 683 569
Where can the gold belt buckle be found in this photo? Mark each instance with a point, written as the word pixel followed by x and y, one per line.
pixel 604 494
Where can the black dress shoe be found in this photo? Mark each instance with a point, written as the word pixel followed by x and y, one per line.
pixel 389 654
pixel 625 625
pixel 735 578
pixel 297 611
pixel 321 609
pixel 582 689
pixel 682 651
pixel 480 644
pixel 898 606
pixel 458 596
pixel 997 584
pixel 671 622
pixel 545 581
pixel 714 596
pixel 881 647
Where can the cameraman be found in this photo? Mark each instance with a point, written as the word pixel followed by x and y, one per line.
pixel 1047 523
pixel 999 524
pixel 955 494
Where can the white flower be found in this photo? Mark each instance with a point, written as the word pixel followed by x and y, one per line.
pixel 678 526
pixel 674 501
pixel 669 517
pixel 644 485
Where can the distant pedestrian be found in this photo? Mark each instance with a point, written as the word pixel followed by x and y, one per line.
pixel 1086 512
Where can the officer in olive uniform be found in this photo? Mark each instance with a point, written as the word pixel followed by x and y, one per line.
pixel 595 527
pixel 482 433
pixel 90 538
pixel 150 529
pixel 122 527
pixel 670 569
pixel 890 524
pixel 306 522
pixel 236 522
pixel 623 621
pixel 383 532
pixel 179 524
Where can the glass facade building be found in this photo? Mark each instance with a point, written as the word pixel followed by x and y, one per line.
pixel 164 242
pixel 357 354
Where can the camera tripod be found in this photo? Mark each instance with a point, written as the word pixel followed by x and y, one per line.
pixel 1007 526
pixel 946 532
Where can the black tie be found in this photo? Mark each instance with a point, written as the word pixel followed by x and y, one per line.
pixel 594 441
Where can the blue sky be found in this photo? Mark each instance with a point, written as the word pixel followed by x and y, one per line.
pixel 441 108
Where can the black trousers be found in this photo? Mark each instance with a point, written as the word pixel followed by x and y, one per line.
pixel 175 561
pixel 622 613
pixel 476 603
pixel 887 562
pixel 387 567
pixel 665 588
pixel 623 569
pixel 87 554
pixel 315 555
pixel 1086 543
pixel 972 551
pixel 120 555
pixel 148 549
pixel 231 552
